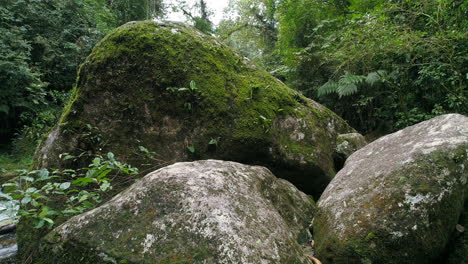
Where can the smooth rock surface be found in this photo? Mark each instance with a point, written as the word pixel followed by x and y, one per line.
pixel 398 199
pixel 193 212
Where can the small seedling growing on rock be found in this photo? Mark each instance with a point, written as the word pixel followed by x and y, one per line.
pixel 213 141
pixel 148 153
pixel 193 94
pixel 266 123
pixel 191 149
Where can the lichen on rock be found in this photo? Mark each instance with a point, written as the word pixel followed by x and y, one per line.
pixel 193 212
pixel 398 199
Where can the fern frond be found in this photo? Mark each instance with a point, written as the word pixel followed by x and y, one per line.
pixel 348 84
pixel 377 76
pixel 347 89
pixel 349 78
pixel 328 88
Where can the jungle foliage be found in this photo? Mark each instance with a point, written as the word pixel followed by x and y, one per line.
pixel 382 65
pixel 42 43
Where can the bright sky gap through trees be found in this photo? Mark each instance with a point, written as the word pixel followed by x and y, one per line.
pixel 216 6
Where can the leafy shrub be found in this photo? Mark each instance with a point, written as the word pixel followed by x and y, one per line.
pixel 76 190
pixel 420 45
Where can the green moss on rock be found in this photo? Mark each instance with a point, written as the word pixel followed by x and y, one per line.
pixel 128 89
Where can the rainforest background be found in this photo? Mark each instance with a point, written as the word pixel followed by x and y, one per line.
pixel 381 65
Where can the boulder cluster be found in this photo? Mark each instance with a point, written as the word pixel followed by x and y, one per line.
pixel 241 158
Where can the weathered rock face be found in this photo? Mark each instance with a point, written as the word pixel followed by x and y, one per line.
pixel 347 144
pixel 128 94
pixel 398 199
pixel 194 212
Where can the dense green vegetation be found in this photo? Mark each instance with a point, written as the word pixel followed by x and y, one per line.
pixel 79 190
pixel 41 45
pixel 381 65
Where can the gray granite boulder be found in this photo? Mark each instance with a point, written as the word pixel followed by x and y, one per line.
pixel 398 199
pixel 194 212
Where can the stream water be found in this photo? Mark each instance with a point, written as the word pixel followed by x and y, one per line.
pixel 8 247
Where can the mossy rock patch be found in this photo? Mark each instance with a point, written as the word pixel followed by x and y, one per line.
pixel 192 212
pixel 398 199
pixel 185 96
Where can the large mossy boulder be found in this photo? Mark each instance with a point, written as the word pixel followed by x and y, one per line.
pixel 182 94
pixel 193 212
pixel 398 199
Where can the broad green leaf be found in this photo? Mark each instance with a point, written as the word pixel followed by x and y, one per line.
pixel 105 186
pixel 90 173
pixel 65 185
pixel 193 85
pixel 83 198
pixel 39 224
pixel 96 162
pixel 6 196
pixel 27 178
pixel 43 174
pixel 48 220
pixel 34 203
pixel 88 204
pixel 31 190
pixel 68 157
pixel 143 149
pixel 26 199
pixel 44 212
pixel 83 181
pixel 191 149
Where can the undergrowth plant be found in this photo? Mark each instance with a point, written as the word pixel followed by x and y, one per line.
pixel 76 190
pixel 349 83
pixel 191 94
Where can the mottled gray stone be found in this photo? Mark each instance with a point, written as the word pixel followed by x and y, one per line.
pixel 349 143
pixel 398 199
pixel 198 212
pixel 346 145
